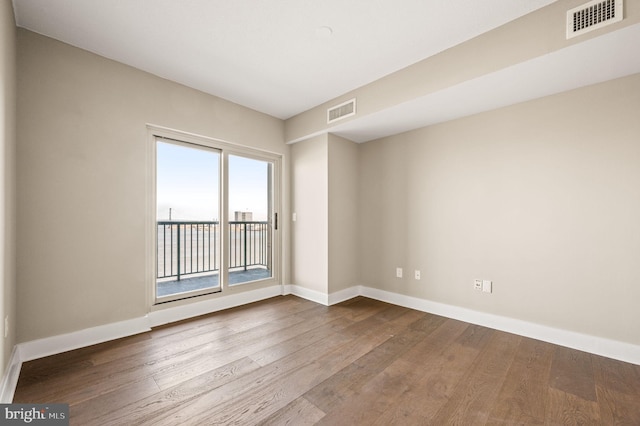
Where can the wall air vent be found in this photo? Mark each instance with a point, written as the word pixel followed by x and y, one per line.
pixel 593 15
pixel 344 110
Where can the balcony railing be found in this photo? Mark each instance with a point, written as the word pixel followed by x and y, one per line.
pixel 187 248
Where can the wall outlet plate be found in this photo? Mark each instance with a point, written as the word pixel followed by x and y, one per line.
pixel 486 286
pixel 477 284
pixel 398 272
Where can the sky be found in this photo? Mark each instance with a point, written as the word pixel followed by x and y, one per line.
pixel 188 183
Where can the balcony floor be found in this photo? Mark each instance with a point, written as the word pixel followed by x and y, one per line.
pixel 165 288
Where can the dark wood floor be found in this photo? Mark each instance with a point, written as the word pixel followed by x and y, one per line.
pixel 290 361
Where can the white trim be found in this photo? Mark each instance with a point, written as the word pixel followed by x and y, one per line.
pixel 614 349
pixel 179 313
pixel 225 149
pixel 10 377
pixel 22 352
pixel 346 294
pixel 212 142
pixel 41 348
pixel 305 293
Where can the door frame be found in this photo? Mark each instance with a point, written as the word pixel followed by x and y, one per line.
pixel 226 148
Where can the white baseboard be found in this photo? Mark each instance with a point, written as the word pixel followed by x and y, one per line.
pixel 322 298
pixel 596 345
pixel 346 294
pixel 10 377
pixel 305 293
pixel 90 336
pixel 57 344
pixel 40 348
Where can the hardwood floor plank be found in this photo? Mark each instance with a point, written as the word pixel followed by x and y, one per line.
pixel 339 387
pixel 619 376
pixel 436 384
pixel 271 315
pixel 80 387
pixel 282 349
pixel 618 391
pixel 297 413
pixel 112 403
pixel 523 397
pixel 146 411
pixel 287 360
pixel 166 361
pixel 428 323
pixel 473 398
pixel 271 398
pixel 568 409
pixel 252 341
pixel 380 399
pixel 572 372
pixel 258 402
pixel 361 308
pixel 228 316
pixel 618 408
pixel 172 399
pixel 143 410
pixel 444 333
pixel 155 344
pixel 71 362
pixel 345 383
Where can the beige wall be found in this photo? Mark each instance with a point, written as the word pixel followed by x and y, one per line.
pixel 82 179
pixel 7 179
pixel 310 231
pixel 541 197
pixel 531 36
pixel 325 201
pixel 343 214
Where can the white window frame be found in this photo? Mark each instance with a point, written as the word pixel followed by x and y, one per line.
pixel 226 149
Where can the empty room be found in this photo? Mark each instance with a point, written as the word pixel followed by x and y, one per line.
pixel 320 212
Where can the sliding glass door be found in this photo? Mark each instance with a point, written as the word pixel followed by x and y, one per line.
pixel 188 219
pixel 195 185
pixel 251 219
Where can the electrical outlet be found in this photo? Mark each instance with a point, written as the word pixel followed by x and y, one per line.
pixel 398 272
pixel 417 274
pixel 477 284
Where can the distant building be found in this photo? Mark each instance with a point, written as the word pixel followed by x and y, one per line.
pixel 244 216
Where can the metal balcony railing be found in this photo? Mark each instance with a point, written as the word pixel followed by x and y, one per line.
pixel 186 248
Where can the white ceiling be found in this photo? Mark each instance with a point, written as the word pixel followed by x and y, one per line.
pixel 269 55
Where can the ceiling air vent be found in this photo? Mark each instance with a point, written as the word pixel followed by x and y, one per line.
pixel 344 110
pixel 593 15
